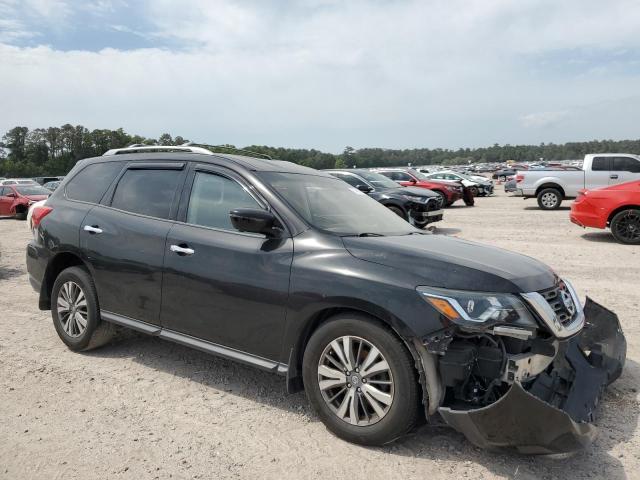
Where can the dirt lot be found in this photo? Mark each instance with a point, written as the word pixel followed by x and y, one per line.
pixel 144 408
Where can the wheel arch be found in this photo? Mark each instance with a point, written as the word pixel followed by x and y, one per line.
pixel 57 264
pixel 620 209
pixel 550 185
pixel 320 317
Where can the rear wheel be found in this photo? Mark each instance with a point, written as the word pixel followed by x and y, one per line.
pixel 549 199
pixel 625 226
pixel 75 311
pixel 21 214
pixel 360 379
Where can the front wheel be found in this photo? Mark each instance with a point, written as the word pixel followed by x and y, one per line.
pixel 625 226
pixel 360 379
pixel 549 199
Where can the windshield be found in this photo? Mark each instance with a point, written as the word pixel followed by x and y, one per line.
pixel 32 190
pixel 419 175
pixel 332 205
pixel 378 181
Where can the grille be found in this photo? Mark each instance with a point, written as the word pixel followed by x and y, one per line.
pixel 433 204
pixel 561 302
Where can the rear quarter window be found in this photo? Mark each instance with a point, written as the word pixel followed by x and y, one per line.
pixel 92 182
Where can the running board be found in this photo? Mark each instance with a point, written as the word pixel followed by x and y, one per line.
pixel 198 344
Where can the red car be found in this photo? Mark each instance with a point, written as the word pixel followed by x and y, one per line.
pixel 615 206
pixel 16 199
pixel 448 191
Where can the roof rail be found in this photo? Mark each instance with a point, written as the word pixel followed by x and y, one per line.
pixel 154 148
pixel 229 147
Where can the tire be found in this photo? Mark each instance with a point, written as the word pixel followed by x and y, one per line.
pixel 549 199
pixel 398 211
pixel 398 417
pixel 421 223
pixel 21 215
pixel 95 332
pixel 502 178
pixel 474 191
pixel 443 198
pixel 625 226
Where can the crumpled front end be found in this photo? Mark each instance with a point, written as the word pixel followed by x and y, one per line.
pixel 543 400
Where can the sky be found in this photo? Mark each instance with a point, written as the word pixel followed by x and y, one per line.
pixel 326 74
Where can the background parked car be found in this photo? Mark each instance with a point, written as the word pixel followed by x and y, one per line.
pixel 510 185
pixel 418 206
pixel 551 186
pixel 502 175
pixel 17 181
pixel 449 191
pixel 479 188
pixel 43 180
pixel 16 199
pixel 52 185
pixel 615 206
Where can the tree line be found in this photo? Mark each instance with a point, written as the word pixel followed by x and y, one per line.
pixel 55 150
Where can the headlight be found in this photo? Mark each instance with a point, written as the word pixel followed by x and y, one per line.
pixel 414 198
pixel 478 307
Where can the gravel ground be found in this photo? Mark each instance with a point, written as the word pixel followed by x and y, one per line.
pixel 144 408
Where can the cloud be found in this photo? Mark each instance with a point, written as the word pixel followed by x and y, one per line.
pixel 543 119
pixel 328 73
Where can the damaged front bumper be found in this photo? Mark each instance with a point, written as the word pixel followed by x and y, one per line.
pixel 552 413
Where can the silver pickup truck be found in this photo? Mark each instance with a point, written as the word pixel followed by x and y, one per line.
pixel 551 186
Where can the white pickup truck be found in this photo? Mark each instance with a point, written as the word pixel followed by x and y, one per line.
pixel 551 186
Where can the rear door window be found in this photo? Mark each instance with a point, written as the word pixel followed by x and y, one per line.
pixel 401 176
pixel 625 164
pixel 92 182
pixel 601 164
pixel 149 192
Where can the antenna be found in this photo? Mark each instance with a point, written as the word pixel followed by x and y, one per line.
pixel 227 147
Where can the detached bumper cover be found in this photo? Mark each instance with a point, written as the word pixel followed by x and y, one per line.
pixel 552 413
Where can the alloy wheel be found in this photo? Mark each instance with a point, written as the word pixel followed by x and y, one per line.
pixel 72 309
pixel 628 227
pixel 549 200
pixel 355 380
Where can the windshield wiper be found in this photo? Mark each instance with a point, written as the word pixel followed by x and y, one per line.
pixel 365 234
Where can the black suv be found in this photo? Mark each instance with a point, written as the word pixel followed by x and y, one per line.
pixel 418 206
pixel 293 271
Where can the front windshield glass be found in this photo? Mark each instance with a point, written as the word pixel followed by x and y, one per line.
pixel 32 190
pixel 332 205
pixel 378 181
pixel 419 175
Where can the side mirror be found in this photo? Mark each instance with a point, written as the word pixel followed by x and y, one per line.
pixel 364 188
pixel 254 220
pixel 11 195
pixel 413 181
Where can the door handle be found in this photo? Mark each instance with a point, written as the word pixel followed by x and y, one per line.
pixel 182 250
pixel 613 176
pixel 91 229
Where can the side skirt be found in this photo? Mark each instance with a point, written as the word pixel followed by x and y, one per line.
pixel 198 344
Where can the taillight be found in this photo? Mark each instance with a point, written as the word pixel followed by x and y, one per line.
pixel 38 214
pixel 519 178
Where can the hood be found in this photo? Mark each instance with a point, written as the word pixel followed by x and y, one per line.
pixel 447 262
pixel 416 191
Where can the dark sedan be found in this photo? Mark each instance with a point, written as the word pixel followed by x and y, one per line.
pixel 418 206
